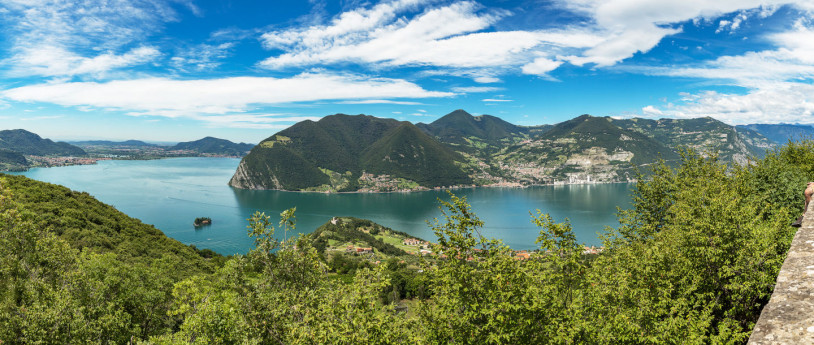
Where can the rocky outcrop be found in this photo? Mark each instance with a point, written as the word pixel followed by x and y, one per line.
pixel 788 318
pixel 243 180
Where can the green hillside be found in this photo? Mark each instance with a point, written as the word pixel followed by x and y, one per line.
pixel 88 224
pixel 214 146
pixel 702 134
pixel 28 143
pixel 586 148
pixel 12 160
pixel 343 232
pixel 407 152
pixel 333 153
pixel 588 131
pixel 474 133
pixel 76 271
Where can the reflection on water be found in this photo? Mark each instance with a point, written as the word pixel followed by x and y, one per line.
pixel 171 193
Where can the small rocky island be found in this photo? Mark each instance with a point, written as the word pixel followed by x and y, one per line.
pixel 201 221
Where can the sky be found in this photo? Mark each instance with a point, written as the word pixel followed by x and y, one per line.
pixel 179 70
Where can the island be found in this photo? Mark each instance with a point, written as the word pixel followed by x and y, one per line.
pixel 201 221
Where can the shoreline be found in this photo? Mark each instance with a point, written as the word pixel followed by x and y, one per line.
pixel 440 189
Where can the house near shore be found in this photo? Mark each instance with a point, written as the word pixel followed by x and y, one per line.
pixel 413 242
pixel 364 250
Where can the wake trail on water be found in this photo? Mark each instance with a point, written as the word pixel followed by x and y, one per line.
pixel 202 203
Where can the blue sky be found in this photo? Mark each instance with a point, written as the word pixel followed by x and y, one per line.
pixel 242 70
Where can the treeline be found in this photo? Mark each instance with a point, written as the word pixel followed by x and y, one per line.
pixel 692 262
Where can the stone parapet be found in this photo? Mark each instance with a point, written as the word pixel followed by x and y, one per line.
pixel 788 318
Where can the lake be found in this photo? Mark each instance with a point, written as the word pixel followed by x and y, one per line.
pixel 171 193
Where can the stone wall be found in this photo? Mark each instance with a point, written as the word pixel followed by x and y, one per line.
pixel 789 316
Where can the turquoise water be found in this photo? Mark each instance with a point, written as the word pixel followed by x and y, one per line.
pixel 171 193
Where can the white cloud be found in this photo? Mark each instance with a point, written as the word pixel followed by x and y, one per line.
pixel 476 89
pixel 253 121
pixel 632 26
pixel 379 101
pixel 65 38
pixel 496 100
pixel 459 39
pixel 792 60
pixel 202 57
pixel 784 102
pixel 541 66
pixel 391 34
pixel 486 80
pixel 57 61
pixel 39 118
pixel 777 83
pixel 174 98
pixel 651 111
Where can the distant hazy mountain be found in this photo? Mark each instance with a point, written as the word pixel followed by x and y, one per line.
pixel 782 133
pixel 347 153
pixel 27 143
pixel 215 146
pixel 126 143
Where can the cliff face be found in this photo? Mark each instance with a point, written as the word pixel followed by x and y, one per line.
pixel 243 179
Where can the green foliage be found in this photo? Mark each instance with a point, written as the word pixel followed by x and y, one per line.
pixel 11 160
pixel 347 229
pixel 87 224
pixel 352 144
pixel 408 153
pixel 693 262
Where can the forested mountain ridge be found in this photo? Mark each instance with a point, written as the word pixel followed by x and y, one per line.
pixel 474 133
pixel 348 153
pixel 705 133
pixel 15 144
pixel 214 146
pixel 27 143
pixel 585 148
pixel 458 149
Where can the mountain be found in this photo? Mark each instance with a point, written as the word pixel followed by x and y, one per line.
pixel 27 143
pixel 476 133
pixel 214 146
pixel 365 153
pixel 126 143
pixel 11 160
pixel 348 153
pixel 781 133
pixel 586 148
pixel 702 134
